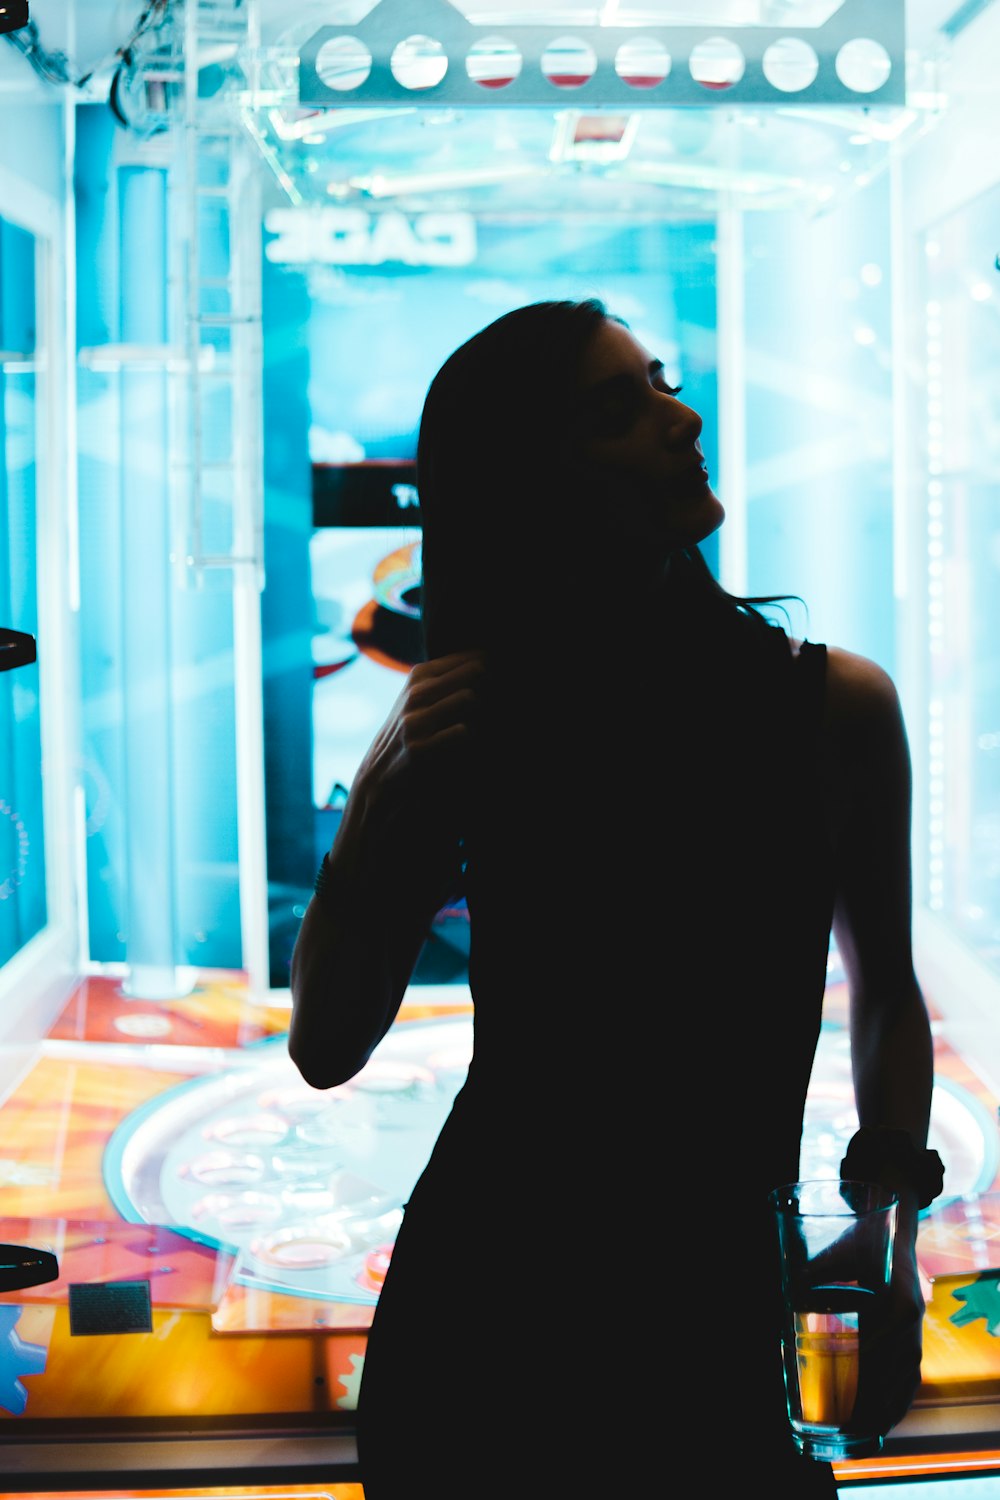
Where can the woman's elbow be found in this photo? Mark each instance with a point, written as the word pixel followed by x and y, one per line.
pixel 322 1065
pixel 306 1064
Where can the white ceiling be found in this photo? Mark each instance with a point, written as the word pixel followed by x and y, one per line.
pixel 89 32
pixel 675 164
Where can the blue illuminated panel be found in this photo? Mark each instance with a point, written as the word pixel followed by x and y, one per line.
pixel 352 341
pixel 23 911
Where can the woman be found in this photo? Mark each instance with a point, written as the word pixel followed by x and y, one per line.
pixel 657 805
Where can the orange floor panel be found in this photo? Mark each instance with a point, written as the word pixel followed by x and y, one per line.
pixel 144 1126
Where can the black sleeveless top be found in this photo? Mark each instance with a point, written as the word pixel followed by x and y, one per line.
pixel 650 891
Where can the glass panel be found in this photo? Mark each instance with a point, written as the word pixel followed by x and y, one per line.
pixel 350 350
pixel 23 910
pixel 963 572
pixel 156 659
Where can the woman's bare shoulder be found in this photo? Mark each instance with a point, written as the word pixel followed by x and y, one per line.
pixel 864 717
pixel 864 746
pixel 857 687
pixel 854 683
pixel 860 695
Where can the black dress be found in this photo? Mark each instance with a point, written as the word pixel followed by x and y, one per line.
pixel 582 1298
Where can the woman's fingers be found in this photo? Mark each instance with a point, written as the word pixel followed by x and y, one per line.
pixel 425 723
pixel 439 700
pixel 424 744
pixel 891 1356
pixel 433 685
pixel 440 666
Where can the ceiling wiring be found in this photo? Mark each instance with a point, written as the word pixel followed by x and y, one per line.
pixel 56 67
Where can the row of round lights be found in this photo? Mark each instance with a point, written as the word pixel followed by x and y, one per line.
pixel 790 64
pixel 17 872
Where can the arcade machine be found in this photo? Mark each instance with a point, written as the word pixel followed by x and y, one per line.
pixel 280 232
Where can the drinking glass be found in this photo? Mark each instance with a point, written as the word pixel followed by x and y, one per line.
pixel 835 1239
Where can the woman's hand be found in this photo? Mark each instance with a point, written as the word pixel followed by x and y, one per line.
pixel 890 1352
pixel 408 802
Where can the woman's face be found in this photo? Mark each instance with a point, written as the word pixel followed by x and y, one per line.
pixel 639 446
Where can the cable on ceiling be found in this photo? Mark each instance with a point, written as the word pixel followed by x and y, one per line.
pixel 56 68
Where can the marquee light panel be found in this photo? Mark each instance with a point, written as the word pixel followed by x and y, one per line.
pixel 425 53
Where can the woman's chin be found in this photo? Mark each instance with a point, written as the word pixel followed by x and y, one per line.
pixel 710 517
pixel 718 513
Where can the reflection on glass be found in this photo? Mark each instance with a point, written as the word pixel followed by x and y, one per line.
pixel 797 13
pixel 962 394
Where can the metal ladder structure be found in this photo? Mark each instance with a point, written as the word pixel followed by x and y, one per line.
pixel 217 392
pixel 218 308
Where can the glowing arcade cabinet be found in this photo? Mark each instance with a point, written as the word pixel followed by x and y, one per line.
pixel 281 229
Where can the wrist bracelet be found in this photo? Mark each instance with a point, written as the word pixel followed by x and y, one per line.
pixel 327 889
pixel 876 1150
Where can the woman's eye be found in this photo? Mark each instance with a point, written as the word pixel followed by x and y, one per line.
pixel 614 413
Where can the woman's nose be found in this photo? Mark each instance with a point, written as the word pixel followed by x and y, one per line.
pixel 682 424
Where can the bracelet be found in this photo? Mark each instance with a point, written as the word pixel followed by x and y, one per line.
pixel 874 1150
pixel 326 887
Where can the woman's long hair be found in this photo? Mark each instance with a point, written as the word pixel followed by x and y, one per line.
pixel 494 477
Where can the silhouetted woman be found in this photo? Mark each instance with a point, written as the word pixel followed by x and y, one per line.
pixel 657 805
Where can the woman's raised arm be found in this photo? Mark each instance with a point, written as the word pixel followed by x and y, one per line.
pixel 394 862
